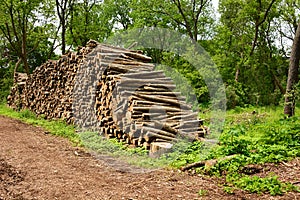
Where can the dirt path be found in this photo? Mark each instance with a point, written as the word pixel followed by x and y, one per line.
pixel 35 165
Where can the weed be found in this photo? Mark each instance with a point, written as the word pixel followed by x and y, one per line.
pixel 202 192
pixel 228 189
pixel 138 156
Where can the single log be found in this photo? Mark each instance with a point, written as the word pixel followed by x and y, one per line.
pixel 159 148
pixel 145 129
pixel 162 126
pixel 151 136
pixel 145 74
pixel 155 109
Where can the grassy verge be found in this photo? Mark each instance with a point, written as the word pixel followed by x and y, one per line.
pixel 135 156
pixel 55 127
pixel 92 141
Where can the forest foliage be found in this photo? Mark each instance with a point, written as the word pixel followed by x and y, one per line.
pixel 248 40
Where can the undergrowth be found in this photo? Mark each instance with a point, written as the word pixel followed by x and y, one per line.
pixel 254 136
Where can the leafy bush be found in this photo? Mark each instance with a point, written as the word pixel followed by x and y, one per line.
pixel 236 95
pixel 6 81
pixel 187 79
pixel 259 185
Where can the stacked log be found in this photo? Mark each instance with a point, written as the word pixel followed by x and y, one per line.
pixel 146 110
pixel 111 90
pixel 94 84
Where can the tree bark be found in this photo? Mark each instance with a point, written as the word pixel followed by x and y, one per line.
pixel 63 38
pixel 289 108
pixel 24 51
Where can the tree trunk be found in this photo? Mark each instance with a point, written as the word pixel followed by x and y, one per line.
pixel 16 67
pixel 289 107
pixel 277 82
pixel 24 47
pixel 237 73
pixel 63 38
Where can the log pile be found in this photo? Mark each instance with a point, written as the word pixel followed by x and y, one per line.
pixel 146 111
pixel 111 90
pixel 95 83
pixel 48 90
pixel 17 97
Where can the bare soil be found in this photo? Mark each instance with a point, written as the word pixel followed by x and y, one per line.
pixel 36 165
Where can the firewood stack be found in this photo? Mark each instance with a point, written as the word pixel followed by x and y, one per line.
pixel 125 98
pixel 94 84
pixel 146 110
pixel 114 91
pixel 48 90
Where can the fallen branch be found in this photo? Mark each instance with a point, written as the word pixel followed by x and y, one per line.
pixel 296 183
pixel 207 163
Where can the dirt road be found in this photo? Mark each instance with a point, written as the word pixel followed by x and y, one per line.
pixel 36 165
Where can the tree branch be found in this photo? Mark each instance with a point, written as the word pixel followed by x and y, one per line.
pixel 187 25
pixel 203 3
pixel 58 7
pixel 259 23
pixel 16 66
pixel 267 12
pixel 171 16
pixel 13 22
pixel 8 36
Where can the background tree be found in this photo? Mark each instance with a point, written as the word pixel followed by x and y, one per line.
pixel 89 20
pixel 63 8
pixel 18 26
pixel 24 38
pixel 293 75
pixel 194 18
pixel 250 43
pixel 6 70
pixel 247 52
